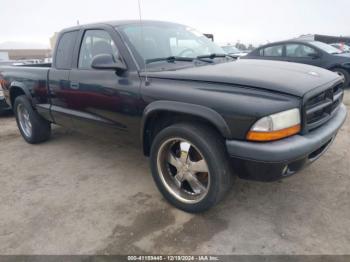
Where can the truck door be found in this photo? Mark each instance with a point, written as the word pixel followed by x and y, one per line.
pixel 103 97
pixel 59 84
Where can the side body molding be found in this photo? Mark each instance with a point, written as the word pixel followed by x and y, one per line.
pixel 188 109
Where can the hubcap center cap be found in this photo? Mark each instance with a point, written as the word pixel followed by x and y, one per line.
pixel 184 168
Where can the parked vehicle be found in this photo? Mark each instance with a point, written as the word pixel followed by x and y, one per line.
pixel 3 105
pixel 48 60
pixel 342 47
pixel 306 52
pixel 10 62
pixel 200 116
pixel 233 51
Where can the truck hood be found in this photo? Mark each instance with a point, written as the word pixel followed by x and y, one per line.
pixel 289 78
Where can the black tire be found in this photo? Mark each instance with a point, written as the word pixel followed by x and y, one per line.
pixel 344 73
pixel 40 128
pixel 212 147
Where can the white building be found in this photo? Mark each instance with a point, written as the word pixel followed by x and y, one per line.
pixel 4 56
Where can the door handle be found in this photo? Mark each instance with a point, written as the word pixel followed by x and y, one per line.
pixel 74 85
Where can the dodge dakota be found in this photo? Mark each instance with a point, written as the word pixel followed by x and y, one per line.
pixel 202 117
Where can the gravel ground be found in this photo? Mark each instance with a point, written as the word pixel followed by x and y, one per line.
pixel 78 194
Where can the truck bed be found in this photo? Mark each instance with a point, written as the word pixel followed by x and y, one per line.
pixel 32 78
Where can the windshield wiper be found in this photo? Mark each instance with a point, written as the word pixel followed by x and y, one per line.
pixel 211 56
pixel 170 59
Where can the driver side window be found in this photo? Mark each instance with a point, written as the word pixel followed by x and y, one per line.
pixel 95 42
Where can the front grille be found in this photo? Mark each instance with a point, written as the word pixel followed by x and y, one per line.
pixel 320 108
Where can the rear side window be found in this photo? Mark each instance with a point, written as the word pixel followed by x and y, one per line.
pixel 299 50
pixel 276 50
pixel 64 53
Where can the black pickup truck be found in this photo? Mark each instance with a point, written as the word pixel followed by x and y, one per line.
pixel 200 116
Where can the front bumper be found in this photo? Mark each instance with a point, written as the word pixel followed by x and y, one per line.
pixel 273 160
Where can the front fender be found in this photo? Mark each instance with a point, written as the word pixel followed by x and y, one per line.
pixel 188 109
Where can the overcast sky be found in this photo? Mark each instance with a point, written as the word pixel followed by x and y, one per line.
pixel 250 21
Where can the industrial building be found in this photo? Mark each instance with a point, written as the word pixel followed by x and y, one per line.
pixel 24 54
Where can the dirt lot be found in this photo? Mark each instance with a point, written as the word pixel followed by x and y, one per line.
pixel 84 195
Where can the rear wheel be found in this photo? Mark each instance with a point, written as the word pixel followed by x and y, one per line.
pixel 343 73
pixel 190 166
pixel 32 126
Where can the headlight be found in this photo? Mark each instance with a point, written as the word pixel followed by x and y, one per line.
pixel 276 126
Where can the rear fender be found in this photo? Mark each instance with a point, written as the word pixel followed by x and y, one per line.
pixel 16 85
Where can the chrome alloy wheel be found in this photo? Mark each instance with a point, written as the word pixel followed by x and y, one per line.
pixel 183 170
pixel 24 121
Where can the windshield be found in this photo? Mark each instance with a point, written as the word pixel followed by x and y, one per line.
pixel 231 49
pixel 342 47
pixel 325 47
pixel 160 40
pixel 345 48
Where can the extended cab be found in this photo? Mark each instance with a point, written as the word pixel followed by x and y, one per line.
pixel 201 116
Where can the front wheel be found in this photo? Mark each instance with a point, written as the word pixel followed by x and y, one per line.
pixel 33 127
pixel 190 166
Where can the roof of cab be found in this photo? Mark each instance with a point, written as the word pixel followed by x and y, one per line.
pixel 117 23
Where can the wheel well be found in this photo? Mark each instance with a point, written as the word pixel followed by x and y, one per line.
pixel 14 93
pixel 339 67
pixel 335 67
pixel 160 120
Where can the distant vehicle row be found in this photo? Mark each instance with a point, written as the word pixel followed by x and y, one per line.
pixel 306 52
pixel 234 51
pixel 25 62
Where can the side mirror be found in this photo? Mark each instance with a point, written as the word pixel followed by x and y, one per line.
pixel 106 61
pixel 314 55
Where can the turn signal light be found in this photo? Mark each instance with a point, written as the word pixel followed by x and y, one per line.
pixel 273 135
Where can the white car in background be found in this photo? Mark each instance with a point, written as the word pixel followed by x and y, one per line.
pixel 234 51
